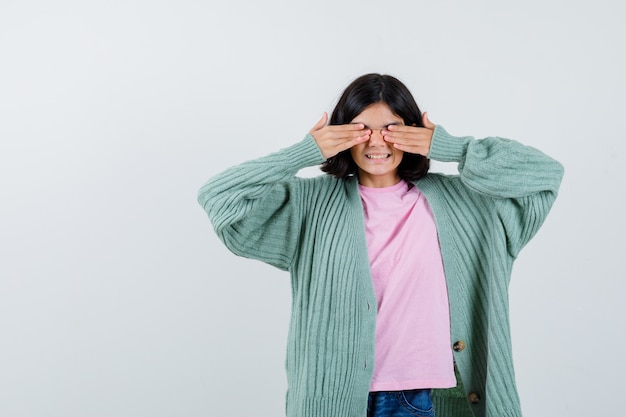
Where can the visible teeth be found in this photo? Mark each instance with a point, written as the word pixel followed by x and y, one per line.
pixel 378 156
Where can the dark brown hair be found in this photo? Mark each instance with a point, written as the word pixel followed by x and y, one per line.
pixel 366 90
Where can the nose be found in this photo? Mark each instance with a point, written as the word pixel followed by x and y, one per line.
pixel 376 138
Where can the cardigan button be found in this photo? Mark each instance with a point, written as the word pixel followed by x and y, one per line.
pixel 459 346
pixel 473 398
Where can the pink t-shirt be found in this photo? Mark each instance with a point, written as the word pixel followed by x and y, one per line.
pixel 413 348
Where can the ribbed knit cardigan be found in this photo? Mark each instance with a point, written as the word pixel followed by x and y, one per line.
pixel 314 228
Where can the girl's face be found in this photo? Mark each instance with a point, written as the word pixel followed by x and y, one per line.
pixel 377 160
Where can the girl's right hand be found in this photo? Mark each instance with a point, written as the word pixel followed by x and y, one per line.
pixel 333 139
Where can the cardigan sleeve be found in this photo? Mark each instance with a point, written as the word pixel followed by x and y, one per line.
pixel 254 207
pixel 522 181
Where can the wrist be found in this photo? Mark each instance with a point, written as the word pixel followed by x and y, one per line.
pixel 447 148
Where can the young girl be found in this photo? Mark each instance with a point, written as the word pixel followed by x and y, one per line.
pixel 399 276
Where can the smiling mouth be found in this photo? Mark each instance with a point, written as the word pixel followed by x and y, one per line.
pixel 378 156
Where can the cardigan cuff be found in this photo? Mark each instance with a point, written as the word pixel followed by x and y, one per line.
pixel 304 154
pixel 447 148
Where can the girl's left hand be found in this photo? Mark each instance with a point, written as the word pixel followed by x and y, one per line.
pixel 411 139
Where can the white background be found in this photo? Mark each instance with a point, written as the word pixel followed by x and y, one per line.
pixel 116 297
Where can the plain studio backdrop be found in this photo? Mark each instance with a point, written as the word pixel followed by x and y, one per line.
pixel 116 297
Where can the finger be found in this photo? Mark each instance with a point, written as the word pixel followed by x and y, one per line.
pixel 345 135
pixel 417 150
pixel 347 127
pixel 402 128
pixel 352 142
pixel 321 123
pixel 414 135
pixel 406 141
pixel 335 137
pixel 340 146
pixel 427 123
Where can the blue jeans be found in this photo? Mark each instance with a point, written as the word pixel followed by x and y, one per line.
pixel 410 403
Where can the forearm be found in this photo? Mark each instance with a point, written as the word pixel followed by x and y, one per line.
pixel 241 184
pixel 255 207
pixel 500 168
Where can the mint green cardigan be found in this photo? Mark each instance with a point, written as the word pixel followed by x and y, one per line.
pixel 314 228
